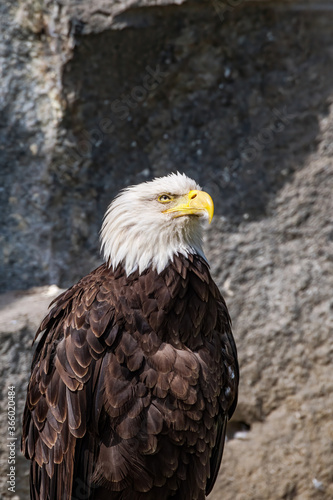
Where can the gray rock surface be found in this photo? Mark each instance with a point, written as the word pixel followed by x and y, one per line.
pixel 239 95
pixel 95 96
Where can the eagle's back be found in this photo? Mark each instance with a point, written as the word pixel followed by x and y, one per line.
pixel 131 385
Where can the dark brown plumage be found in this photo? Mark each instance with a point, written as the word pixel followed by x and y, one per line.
pixel 132 384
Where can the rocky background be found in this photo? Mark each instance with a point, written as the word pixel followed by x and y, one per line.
pixel 239 95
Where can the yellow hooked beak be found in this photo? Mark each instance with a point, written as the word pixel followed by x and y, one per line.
pixel 194 203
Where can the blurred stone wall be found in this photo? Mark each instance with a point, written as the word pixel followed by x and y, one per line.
pixel 239 95
pixel 97 95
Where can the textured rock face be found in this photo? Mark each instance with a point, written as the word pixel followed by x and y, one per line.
pixel 239 96
pixel 280 299
pixel 97 96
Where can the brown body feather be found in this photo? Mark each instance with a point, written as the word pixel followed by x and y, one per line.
pixel 132 383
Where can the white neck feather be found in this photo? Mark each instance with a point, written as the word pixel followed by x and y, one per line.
pixel 140 246
pixel 137 235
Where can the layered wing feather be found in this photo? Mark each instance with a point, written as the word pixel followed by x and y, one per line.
pixel 61 385
pixel 131 385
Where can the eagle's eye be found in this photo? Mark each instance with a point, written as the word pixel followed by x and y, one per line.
pixel 164 198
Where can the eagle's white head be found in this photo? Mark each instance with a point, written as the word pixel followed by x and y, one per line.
pixel 147 224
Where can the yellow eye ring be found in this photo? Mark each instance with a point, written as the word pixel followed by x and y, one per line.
pixel 164 198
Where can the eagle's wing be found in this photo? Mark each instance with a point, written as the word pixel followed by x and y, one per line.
pixel 102 394
pixel 65 366
pixel 106 407
pixel 216 458
pixel 229 392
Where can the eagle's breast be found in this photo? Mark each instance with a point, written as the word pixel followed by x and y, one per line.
pixel 143 362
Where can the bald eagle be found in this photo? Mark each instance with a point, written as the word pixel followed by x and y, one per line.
pixel 135 373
